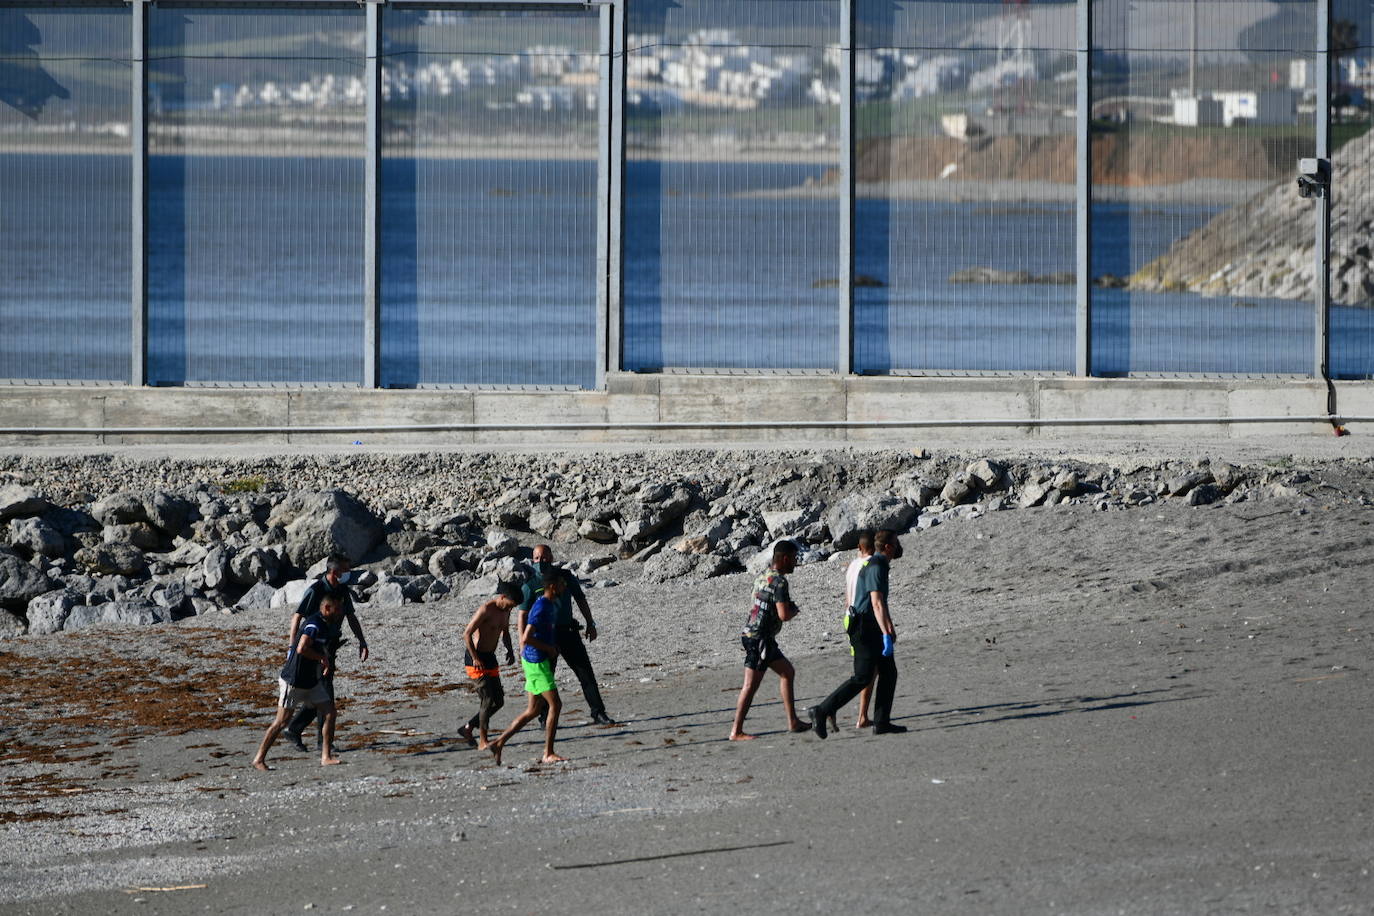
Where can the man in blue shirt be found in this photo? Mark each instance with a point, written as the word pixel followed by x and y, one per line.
pixel 566 633
pixel 536 657
pixel 873 639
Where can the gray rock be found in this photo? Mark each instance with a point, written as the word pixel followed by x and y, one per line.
pixel 139 613
pixel 37 537
pixel 1227 476
pixel 1180 484
pixel 214 569
pixel 71 521
pixel 319 524
pixel 289 595
pixel 408 542
pixel 643 554
pixel 1033 494
pixel 960 488
pixel 176 598
pixel 670 564
pixel 596 531
pixel 438 590
pixel 255 565
pixel 855 514
pixel 112 559
pixel 988 472
pixel 48 613
pixel 389 594
pixel 449 560
pixel 168 512
pixel 1203 495
pixel 11 624
pixel 481 587
pixel 787 521
pixel 17 501
pixel 119 508
pixel 697 544
pixel 500 544
pixel 140 534
pixel 257 598
pixel 1067 482
pixel 542 521
pixel 187 553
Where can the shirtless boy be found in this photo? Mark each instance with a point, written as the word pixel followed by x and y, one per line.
pixel 537 640
pixel 488 626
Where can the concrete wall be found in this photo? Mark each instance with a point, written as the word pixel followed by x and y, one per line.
pixel 668 408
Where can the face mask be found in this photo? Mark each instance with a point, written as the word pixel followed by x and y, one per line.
pixel 345 577
pixel 544 567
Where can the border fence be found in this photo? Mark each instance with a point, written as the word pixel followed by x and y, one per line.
pixel 397 194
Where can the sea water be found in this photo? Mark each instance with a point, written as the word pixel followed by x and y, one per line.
pixel 489 275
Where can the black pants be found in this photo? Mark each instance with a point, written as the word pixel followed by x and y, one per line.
pixel 868 660
pixel 491 696
pixel 306 714
pixel 572 650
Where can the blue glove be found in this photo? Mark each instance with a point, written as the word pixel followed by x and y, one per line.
pixel 889 642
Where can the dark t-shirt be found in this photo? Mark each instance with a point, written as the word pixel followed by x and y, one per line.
pixel 317 592
pixel 542 618
pixel 300 671
pixel 534 588
pixel 872 578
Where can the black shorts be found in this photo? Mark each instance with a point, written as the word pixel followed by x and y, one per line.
pixel 760 652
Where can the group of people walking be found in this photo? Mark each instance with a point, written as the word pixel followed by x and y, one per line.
pixel 548 632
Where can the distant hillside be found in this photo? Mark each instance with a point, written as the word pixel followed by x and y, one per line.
pixel 1142 160
pixel 1264 247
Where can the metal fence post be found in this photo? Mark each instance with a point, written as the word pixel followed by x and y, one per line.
pixel 138 236
pixel 615 207
pixel 603 195
pixel 372 299
pixel 845 363
pixel 1322 242
pixel 1083 193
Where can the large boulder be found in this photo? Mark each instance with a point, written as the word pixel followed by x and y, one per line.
pixel 140 534
pixel 672 564
pixel 318 524
pixel 168 512
pixel 141 613
pixel 257 598
pixel 119 509
pixel 48 613
pixel 20 583
pixel 255 566
pixel 18 501
pixel 856 514
pixel 36 536
pixel 449 560
pixel 112 560
pixel 289 595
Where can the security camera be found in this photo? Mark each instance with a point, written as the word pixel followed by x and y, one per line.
pixel 1314 177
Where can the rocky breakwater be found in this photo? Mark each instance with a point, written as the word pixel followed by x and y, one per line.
pixel 1264 247
pixel 178 539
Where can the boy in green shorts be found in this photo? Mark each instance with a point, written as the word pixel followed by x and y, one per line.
pixel 536 656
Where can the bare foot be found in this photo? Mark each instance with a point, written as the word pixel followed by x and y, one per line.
pixel 466 734
pixel 330 761
pixel 742 736
pixel 553 758
pixel 261 765
pixel 484 746
pixel 799 726
pixel 864 723
pixel 495 748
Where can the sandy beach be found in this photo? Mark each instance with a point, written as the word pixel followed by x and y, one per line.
pixel 1164 709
